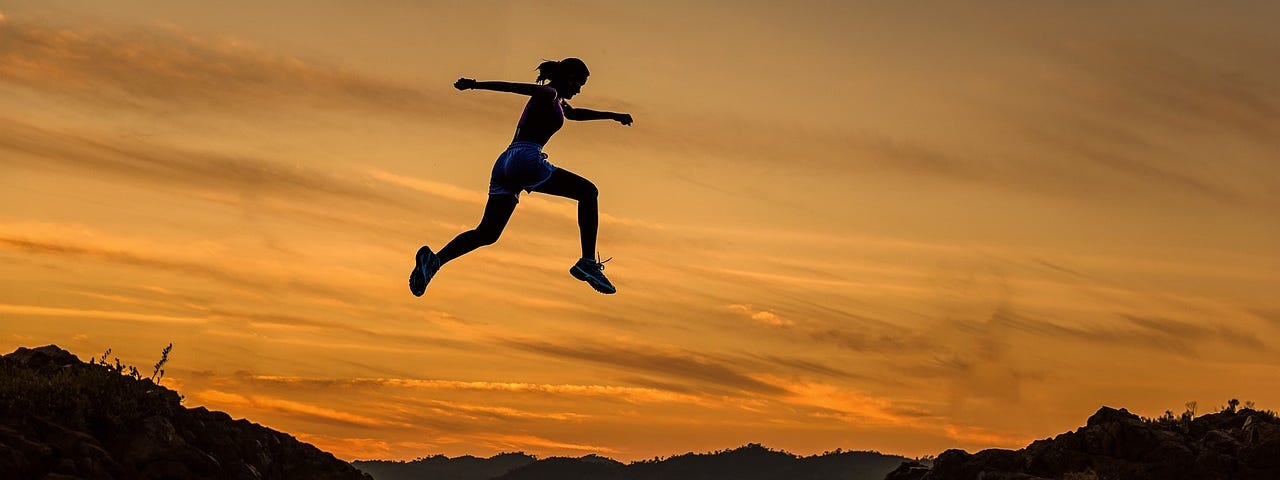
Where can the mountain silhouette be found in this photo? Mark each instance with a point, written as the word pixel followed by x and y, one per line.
pixel 441 467
pixel 64 418
pixel 749 462
pixel 1235 444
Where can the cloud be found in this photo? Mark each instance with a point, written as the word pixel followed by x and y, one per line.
pixel 984 436
pixel 499 413
pixel 349 448
pixel 765 317
pixel 255 281
pixel 533 443
pixel 236 402
pixel 809 366
pixel 850 405
pixel 163 67
pixel 1140 107
pixel 38 311
pixel 680 364
pixel 623 393
pixel 1151 333
pixel 93 154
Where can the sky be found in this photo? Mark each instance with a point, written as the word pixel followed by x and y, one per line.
pixel 899 226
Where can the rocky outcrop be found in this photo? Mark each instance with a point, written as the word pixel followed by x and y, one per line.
pixel 63 418
pixel 1115 444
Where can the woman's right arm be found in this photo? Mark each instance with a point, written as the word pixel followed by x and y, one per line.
pixel 530 89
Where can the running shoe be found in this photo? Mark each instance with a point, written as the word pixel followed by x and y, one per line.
pixel 591 271
pixel 427 263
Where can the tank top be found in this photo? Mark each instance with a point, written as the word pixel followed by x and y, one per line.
pixel 540 120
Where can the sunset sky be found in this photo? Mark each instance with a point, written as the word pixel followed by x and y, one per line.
pixel 900 226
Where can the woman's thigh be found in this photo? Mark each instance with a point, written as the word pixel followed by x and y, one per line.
pixel 564 183
pixel 497 211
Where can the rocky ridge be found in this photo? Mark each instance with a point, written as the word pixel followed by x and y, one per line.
pixel 64 418
pixel 1236 444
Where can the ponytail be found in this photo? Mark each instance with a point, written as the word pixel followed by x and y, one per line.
pixel 548 70
pixel 551 70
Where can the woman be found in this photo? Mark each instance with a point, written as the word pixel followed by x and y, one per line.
pixel 523 166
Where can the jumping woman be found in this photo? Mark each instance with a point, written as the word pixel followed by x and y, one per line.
pixel 523 166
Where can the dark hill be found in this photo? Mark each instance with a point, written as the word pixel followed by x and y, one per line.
pixel 750 462
pixel 442 467
pixel 1236 444
pixel 64 418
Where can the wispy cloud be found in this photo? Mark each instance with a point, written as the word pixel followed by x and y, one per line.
pixel 1161 335
pixel 625 393
pixel 680 364
pixel 536 443
pixel 145 67
pixel 238 402
pixel 257 281
pixel 39 311
pixel 95 154
pixel 765 317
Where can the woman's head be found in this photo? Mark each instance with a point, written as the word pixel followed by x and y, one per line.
pixel 566 76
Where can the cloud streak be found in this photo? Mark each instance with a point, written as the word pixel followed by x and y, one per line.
pixel 258 281
pixel 147 67
pixel 624 393
pixel 85 152
pixel 680 364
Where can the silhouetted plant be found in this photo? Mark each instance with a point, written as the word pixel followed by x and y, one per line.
pixel 159 371
pixel 1231 405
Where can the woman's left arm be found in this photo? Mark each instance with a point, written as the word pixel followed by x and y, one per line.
pixel 572 113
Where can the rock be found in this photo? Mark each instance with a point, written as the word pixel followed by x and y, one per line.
pixel 1114 443
pixel 958 464
pixel 42 358
pixel 908 471
pixel 103 425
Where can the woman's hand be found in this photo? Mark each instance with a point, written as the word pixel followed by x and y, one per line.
pixel 623 118
pixel 464 84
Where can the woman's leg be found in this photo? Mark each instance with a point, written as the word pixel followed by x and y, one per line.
pixel 496 213
pixel 564 183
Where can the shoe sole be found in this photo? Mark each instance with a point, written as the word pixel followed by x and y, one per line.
pixel 418 277
pixel 581 274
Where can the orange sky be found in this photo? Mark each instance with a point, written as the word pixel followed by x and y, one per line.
pixel 877 226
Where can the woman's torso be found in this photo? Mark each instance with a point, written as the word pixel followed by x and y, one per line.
pixel 542 118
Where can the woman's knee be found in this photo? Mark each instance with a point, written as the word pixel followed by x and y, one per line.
pixel 488 236
pixel 588 191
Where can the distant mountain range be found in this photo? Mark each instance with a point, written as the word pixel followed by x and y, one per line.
pixel 441 467
pixel 749 462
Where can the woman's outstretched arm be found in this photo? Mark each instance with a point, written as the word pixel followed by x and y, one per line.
pixel 530 89
pixel 572 113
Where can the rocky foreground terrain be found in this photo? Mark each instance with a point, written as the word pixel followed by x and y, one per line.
pixel 1234 444
pixel 61 418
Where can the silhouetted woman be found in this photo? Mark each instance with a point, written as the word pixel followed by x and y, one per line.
pixel 523 166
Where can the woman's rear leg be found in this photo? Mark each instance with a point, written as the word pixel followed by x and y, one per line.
pixel 497 211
